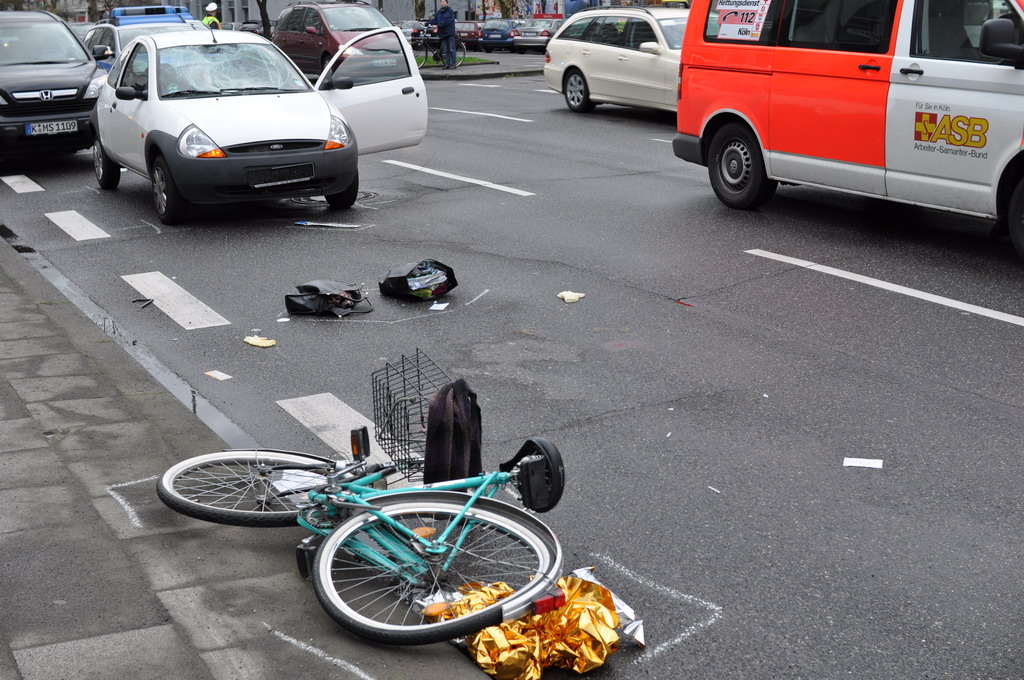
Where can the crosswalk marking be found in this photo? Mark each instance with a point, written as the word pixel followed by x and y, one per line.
pixel 332 420
pixel 21 184
pixel 76 226
pixel 175 301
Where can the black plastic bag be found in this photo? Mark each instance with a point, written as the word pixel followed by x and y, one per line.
pixel 327 297
pixel 423 280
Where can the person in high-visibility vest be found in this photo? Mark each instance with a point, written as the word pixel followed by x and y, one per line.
pixel 211 19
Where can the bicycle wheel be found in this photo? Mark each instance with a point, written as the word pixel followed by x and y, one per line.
pixel 242 488
pixel 361 586
pixel 423 53
pixel 460 53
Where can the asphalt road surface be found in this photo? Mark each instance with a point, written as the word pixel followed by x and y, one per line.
pixel 705 393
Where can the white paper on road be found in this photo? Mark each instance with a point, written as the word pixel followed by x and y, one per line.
pixel 76 226
pixel 175 301
pixel 862 462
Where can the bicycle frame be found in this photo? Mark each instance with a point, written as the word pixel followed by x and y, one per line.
pixel 401 558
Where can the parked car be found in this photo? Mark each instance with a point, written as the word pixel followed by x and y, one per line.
pixel 48 85
pixel 534 34
pixel 423 30
pixel 469 33
pixel 127 23
pixel 256 26
pixel 80 28
pixel 407 28
pixel 177 108
pixel 495 34
pixel 617 55
pixel 311 33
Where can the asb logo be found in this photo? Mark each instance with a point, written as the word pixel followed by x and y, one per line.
pixel 952 130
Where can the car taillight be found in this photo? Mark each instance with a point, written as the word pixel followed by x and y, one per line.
pixel 545 34
pixel 513 33
pixel 549 601
pixel 547 57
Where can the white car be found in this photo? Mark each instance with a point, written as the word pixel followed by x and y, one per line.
pixel 617 55
pixel 225 116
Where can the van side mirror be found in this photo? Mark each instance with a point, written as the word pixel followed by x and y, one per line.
pixel 998 40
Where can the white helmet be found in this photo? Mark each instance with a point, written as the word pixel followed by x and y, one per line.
pixel 212 7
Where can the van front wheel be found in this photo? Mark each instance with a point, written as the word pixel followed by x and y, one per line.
pixel 1015 220
pixel 737 170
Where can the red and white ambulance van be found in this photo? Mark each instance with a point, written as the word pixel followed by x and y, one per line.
pixel 919 101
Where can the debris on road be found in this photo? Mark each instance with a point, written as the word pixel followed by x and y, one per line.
pixel 328 297
pixel 570 296
pixel 862 462
pixel 423 280
pixel 218 375
pixel 259 341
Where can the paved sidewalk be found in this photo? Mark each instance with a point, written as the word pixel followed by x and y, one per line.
pixel 474 71
pixel 100 580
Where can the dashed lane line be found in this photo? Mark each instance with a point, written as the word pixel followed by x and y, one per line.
pixel 174 301
pixel 895 288
pixel 481 113
pixel 460 178
pixel 21 184
pixel 332 420
pixel 76 226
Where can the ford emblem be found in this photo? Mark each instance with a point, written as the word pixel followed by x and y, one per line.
pixel 276 147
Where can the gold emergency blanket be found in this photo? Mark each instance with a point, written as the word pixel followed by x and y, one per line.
pixel 578 636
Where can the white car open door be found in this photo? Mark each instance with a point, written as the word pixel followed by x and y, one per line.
pixel 386 106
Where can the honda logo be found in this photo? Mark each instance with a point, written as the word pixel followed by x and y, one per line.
pixel 46 95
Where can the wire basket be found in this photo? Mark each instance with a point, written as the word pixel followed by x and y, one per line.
pixel 401 404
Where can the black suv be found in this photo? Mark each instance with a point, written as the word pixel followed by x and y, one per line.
pixel 48 85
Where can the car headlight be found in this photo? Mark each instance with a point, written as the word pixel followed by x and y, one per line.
pixel 194 143
pixel 93 90
pixel 339 137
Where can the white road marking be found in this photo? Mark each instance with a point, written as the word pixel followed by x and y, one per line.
pixel 332 420
pixel 895 288
pixel 76 226
pixel 477 85
pixel 862 462
pixel 667 141
pixel 21 184
pixel 479 113
pixel 175 301
pixel 716 611
pixel 486 291
pixel 470 180
pixel 321 654
pixel 548 91
pixel 133 517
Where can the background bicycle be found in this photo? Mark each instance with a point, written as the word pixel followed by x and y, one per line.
pixel 428 52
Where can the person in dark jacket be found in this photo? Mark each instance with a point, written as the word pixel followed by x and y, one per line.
pixel 444 19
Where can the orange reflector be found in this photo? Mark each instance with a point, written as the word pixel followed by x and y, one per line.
pixel 435 611
pixel 425 532
pixel 333 145
pixel 549 601
pixel 216 153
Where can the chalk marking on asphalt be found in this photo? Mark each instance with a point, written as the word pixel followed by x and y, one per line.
pixel 489 185
pixel 486 291
pixel 76 226
pixel 150 224
pixel 332 420
pixel 408 318
pixel 319 653
pixel 716 611
pixel 175 301
pixel 481 113
pixel 133 517
pixel 21 184
pixel 477 85
pixel 895 288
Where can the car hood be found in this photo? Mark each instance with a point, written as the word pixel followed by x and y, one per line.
pixel 24 77
pixel 230 120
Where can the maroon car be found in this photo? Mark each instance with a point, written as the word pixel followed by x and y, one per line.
pixel 469 33
pixel 310 32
